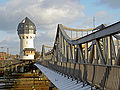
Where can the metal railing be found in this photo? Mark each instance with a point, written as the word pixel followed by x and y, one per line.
pixel 93 59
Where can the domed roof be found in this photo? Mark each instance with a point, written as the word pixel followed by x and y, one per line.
pixel 26 26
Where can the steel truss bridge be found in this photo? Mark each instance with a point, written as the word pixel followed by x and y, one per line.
pixel 93 59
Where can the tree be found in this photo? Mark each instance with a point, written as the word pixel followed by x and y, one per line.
pixel 37 54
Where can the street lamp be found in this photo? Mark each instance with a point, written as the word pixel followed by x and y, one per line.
pixel 2 51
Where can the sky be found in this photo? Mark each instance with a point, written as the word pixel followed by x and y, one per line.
pixel 47 14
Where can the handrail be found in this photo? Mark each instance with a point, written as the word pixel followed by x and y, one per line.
pixel 101 33
pixel 109 30
pixel 93 64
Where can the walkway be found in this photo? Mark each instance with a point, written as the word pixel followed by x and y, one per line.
pixel 62 82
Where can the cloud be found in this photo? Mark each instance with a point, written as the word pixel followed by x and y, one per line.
pixel 46 14
pixel 111 3
pixel 46 38
pixel 12 43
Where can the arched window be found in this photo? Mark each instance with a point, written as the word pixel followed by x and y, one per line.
pixel 31 27
pixel 26 37
pixel 30 37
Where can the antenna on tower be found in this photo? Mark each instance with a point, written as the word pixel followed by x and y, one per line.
pixel 93 21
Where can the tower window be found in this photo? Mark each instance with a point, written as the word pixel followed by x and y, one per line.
pixel 30 37
pixel 27 37
pixel 30 31
pixel 31 27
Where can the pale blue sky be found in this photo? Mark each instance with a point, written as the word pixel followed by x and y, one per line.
pixel 46 14
pixel 2 2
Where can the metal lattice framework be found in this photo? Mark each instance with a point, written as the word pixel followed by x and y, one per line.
pixel 71 29
pixel 93 59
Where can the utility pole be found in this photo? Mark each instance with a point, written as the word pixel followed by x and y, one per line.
pixel 7 53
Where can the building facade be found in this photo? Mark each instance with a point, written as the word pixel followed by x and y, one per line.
pixel 3 56
pixel 26 31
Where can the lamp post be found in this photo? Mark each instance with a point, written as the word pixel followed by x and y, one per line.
pixel 2 51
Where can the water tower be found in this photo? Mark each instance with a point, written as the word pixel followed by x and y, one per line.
pixel 26 31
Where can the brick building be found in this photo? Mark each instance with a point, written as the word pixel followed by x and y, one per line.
pixel 3 56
